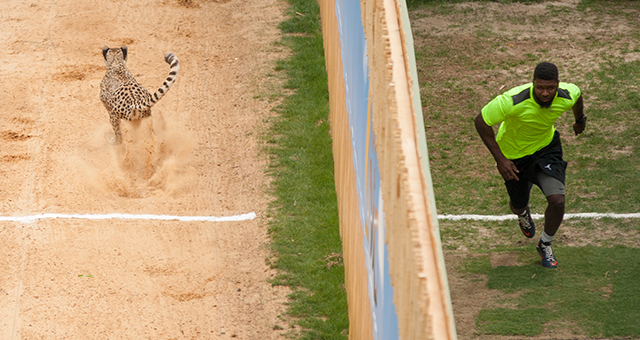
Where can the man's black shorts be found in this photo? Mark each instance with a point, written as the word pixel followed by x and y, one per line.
pixel 547 162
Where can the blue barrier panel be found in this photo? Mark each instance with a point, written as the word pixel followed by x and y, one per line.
pixel 365 161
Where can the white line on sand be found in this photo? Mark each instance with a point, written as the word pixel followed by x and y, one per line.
pixel 251 216
pixel 535 216
pixel 33 218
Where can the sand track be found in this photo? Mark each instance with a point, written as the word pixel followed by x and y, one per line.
pixel 197 156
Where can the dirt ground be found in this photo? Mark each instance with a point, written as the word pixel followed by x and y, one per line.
pixel 199 155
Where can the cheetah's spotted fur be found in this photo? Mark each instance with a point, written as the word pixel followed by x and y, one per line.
pixel 121 94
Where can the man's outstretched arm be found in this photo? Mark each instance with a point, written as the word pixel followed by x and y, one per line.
pixel 506 168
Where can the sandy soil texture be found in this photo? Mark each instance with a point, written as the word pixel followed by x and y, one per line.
pixel 199 155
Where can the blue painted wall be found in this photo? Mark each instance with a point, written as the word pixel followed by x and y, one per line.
pixel 365 161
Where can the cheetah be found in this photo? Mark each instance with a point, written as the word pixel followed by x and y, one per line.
pixel 121 94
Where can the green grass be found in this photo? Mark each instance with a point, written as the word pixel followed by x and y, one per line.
pixel 594 291
pixel 304 226
pixel 595 287
pixel 504 321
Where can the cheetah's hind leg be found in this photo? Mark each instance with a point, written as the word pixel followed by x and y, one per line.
pixel 116 138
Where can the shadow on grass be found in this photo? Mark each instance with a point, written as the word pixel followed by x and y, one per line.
pixel 594 287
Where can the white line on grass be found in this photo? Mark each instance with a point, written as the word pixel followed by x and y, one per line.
pixel 536 216
pixel 33 218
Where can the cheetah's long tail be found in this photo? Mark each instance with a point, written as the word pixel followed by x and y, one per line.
pixel 172 60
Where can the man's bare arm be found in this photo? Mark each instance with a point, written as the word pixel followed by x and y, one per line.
pixel 506 168
pixel 581 119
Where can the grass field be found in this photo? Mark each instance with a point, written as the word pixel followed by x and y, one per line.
pixel 304 223
pixel 467 53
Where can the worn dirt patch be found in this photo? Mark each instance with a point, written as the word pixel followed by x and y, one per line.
pixel 198 155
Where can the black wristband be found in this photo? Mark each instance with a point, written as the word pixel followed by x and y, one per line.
pixel 582 120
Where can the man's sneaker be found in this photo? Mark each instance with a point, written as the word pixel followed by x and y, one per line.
pixel 526 224
pixel 546 253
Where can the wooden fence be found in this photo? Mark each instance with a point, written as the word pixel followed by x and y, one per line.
pixel 407 222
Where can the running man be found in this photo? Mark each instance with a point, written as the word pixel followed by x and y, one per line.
pixel 527 148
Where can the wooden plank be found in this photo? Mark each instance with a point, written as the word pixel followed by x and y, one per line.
pixel 356 283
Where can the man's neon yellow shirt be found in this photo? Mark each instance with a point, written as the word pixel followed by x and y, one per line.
pixel 525 127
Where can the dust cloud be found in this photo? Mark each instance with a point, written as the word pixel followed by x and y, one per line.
pixel 153 160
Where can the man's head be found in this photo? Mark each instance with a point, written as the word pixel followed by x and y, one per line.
pixel 545 83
